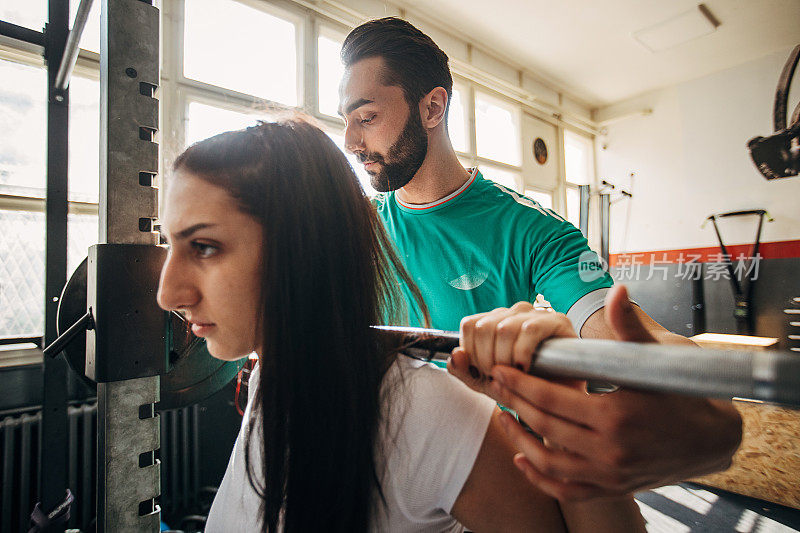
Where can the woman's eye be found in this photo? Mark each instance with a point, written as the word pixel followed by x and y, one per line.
pixel 204 250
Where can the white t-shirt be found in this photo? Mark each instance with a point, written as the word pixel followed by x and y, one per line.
pixel 435 429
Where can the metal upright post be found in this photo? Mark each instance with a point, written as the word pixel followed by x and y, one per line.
pixel 53 446
pixel 698 300
pixel 128 429
pixel 605 221
pixel 584 210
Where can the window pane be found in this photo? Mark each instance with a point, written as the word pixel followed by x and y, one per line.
pixel 497 130
pixel 330 73
pixel 545 199
pixel 203 121
pixel 578 158
pixel 502 176
pixel 82 232
pixel 240 48
pixel 23 129
pixel 23 133
pixel 573 206
pixel 90 38
pixel 22 271
pixel 22 268
pixel 456 123
pixel 362 175
pixel 31 14
pixel 84 140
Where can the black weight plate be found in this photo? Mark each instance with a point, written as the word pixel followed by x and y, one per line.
pixel 193 373
pixel 71 307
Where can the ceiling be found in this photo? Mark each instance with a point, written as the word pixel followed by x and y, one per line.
pixel 586 49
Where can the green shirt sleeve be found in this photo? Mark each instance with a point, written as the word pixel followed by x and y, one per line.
pixel 564 268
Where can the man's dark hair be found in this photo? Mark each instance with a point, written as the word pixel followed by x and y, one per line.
pixel 413 61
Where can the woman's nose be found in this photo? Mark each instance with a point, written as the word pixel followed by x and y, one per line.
pixel 176 290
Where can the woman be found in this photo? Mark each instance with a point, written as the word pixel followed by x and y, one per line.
pixel 275 250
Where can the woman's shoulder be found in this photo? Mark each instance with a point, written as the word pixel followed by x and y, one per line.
pixel 426 392
pixel 434 427
pixel 409 375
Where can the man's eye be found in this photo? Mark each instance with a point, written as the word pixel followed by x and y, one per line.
pixel 204 250
pixel 367 120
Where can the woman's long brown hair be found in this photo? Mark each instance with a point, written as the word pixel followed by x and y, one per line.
pixel 329 272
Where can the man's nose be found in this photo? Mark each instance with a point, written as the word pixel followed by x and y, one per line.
pixel 353 139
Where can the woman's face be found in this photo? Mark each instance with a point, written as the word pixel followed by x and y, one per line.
pixel 212 273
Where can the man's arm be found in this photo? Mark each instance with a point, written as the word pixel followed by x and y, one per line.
pixel 497 497
pixel 597 325
pixel 597 445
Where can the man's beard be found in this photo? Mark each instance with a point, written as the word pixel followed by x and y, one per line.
pixel 405 156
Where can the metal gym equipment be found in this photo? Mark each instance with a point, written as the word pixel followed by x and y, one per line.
pixel 778 156
pixel 605 213
pixel 742 288
pixel 770 376
pixel 139 358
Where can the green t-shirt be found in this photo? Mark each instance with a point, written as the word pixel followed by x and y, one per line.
pixel 485 246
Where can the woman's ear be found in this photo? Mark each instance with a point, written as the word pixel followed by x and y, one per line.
pixel 432 108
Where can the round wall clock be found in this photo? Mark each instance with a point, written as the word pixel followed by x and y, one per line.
pixel 540 151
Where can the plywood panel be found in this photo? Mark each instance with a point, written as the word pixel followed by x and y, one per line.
pixel 767 464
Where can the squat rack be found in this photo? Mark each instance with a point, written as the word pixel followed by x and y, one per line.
pixel 128 474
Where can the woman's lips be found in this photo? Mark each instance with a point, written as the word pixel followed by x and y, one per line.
pixel 200 329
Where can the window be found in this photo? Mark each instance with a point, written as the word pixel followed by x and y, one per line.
pixel 241 48
pixel 573 205
pixel 578 159
pixel 23 174
pixel 32 15
pixel 329 72
pixel 90 38
pixel 504 177
pixel 579 167
pixel 204 121
pixel 497 129
pixel 22 248
pixel 23 129
pixel 224 63
pixel 84 140
pixel 545 199
pixel 22 245
pixel 457 124
pixel 358 168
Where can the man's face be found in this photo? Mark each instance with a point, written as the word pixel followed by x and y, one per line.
pixel 382 130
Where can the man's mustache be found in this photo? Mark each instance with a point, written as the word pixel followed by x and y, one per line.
pixel 369 158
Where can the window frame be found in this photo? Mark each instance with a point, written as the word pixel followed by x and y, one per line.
pixel 541 190
pixel 293 16
pixel 467 93
pixel 330 31
pixel 500 101
pixel 176 92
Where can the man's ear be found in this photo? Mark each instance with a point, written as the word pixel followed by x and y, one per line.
pixel 432 108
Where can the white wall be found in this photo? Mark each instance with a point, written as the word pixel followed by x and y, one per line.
pixel 689 159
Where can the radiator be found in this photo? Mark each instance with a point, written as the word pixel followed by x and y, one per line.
pixel 19 442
